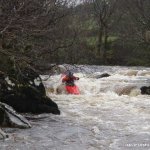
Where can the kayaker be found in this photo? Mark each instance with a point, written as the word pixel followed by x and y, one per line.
pixel 69 78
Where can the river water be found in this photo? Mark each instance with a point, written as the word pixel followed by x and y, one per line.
pixel 110 114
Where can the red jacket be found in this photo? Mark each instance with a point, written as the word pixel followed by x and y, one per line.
pixel 69 80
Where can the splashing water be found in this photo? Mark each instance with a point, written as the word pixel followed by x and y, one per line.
pixel 109 114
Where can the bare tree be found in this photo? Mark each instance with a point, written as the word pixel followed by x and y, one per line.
pixel 104 11
pixel 141 17
pixel 31 30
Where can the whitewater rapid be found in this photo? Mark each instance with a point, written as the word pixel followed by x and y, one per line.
pixel 110 114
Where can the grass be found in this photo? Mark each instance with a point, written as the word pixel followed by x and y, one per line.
pixel 93 40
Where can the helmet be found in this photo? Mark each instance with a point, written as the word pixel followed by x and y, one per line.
pixel 69 73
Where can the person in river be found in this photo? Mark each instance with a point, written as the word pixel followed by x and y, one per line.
pixel 70 87
pixel 69 78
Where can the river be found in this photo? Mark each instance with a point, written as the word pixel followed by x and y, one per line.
pixel 110 114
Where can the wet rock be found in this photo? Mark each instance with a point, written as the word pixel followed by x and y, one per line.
pixel 143 73
pixel 61 89
pixel 3 135
pixel 145 90
pixel 97 75
pixel 58 69
pixel 129 72
pixel 29 99
pixel 135 92
pixel 9 118
pixel 50 90
pixel 125 90
pixel 26 92
pixel 102 75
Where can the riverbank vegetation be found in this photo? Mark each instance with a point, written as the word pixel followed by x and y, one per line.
pixel 102 32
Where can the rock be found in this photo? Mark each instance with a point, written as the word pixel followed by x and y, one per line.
pixel 135 92
pixel 61 89
pixel 28 99
pixel 3 135
pixel 62 69
pixel 129 72
pixel 97 75
pixel 9 118
pixel 124 90
pixel 102 75
pixel 50 90
pixel 26 92
pixel 143 73
pixel 58 69
pixel 145 90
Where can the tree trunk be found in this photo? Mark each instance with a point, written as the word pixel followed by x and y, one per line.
pixel 99 45
pixel 105 47
pixel 147 36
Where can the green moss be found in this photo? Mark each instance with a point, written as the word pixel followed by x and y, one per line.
pixel 92 41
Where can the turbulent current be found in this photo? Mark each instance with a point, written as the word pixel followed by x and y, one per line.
pixel 110 113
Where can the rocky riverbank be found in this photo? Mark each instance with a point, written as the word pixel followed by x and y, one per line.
pixel 25 93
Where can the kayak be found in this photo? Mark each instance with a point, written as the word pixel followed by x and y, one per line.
pixel 72 89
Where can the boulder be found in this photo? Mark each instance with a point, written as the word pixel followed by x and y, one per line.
pixel 25 92
pixel 29 99
pixel 102 75
pixel 145 90
pixel 9 118
pixel 97 75
pixel 125 90
pixel 61 89
pixel 58 69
